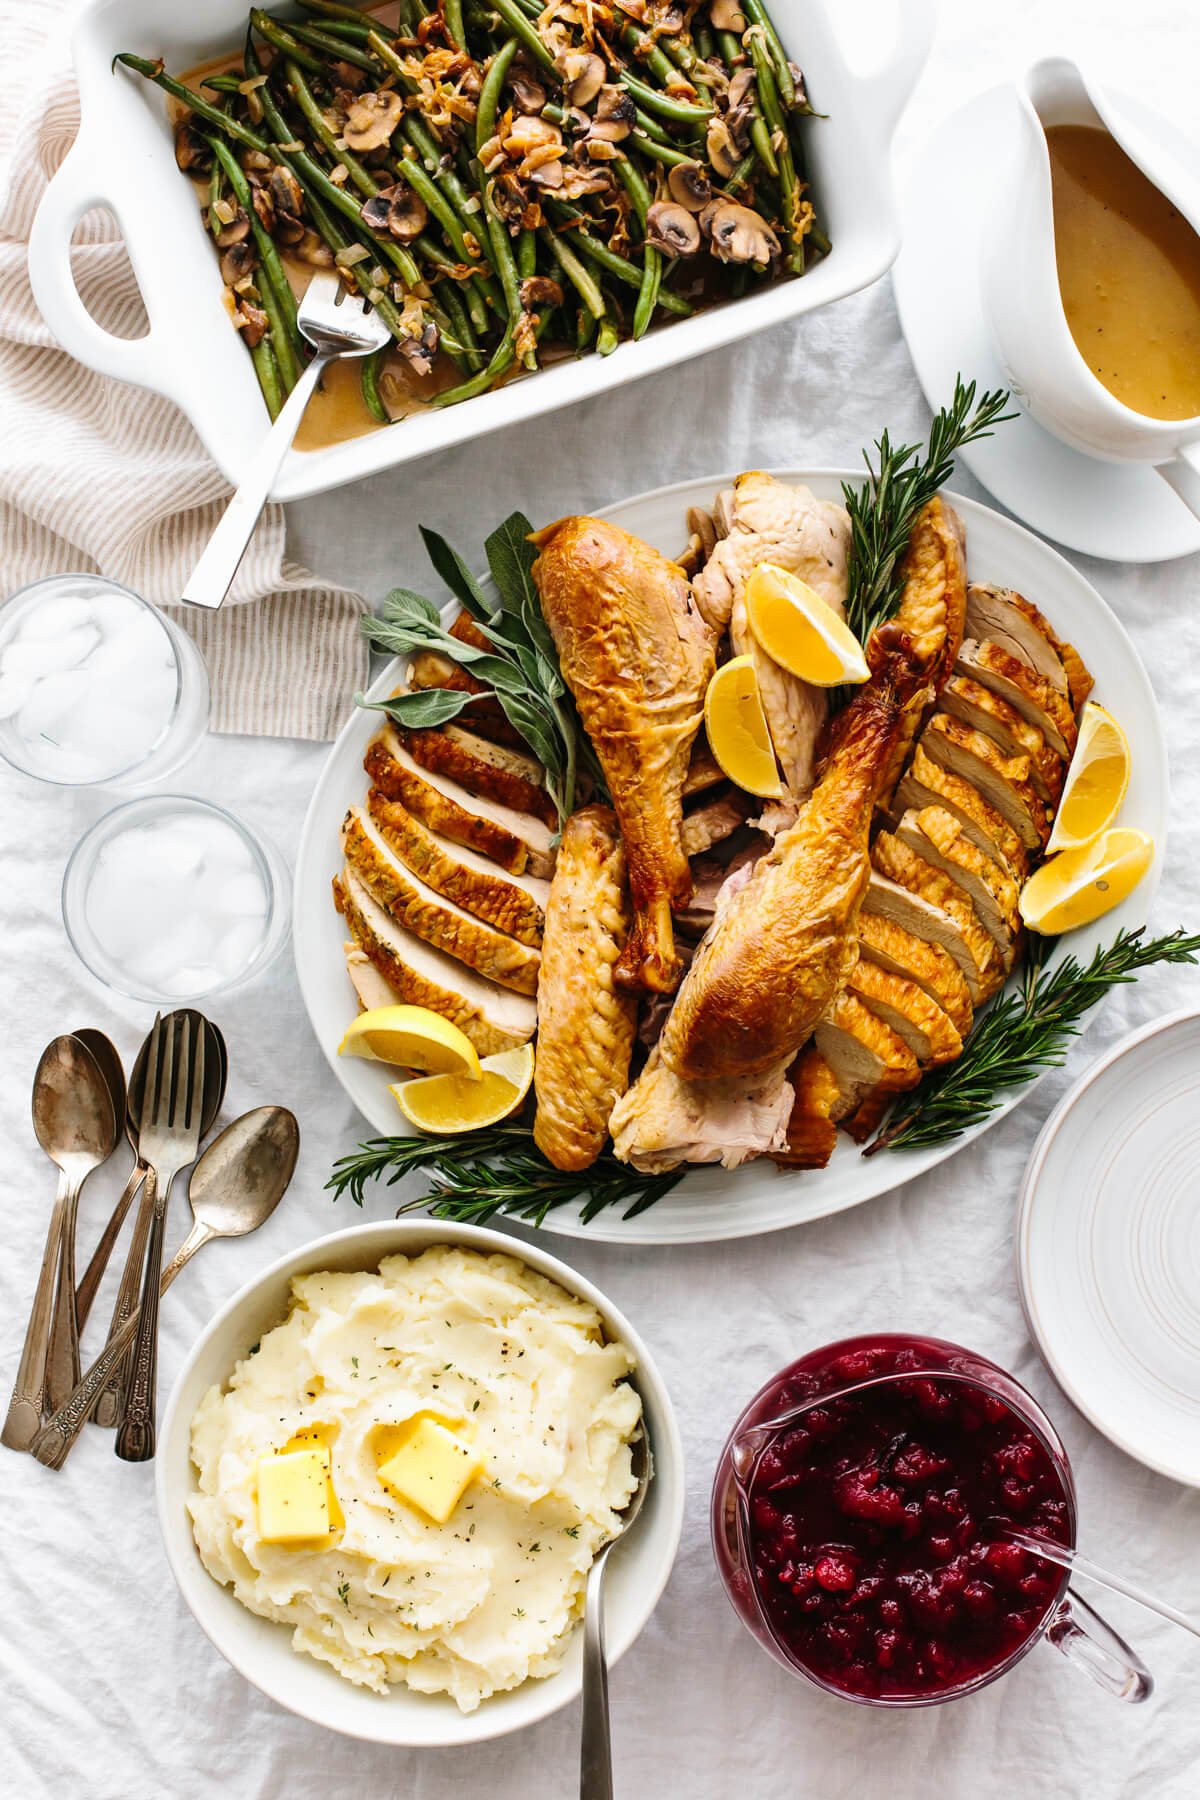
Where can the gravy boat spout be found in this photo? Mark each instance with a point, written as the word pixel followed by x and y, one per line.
pixel 1020 281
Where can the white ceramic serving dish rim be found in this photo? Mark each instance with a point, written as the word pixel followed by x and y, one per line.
pixel 122 160
pixel 260 1649
pixel 715 1204
pixel 1027 1199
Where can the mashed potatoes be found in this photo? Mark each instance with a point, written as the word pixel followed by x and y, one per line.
pixel 508 1360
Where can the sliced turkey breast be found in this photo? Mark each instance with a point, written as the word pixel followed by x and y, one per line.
pixel 1002 780
pixel 512 903
pixel 926 1027
pixel 984 710
pixel 485 716
pixel 492 771
pixel 420 909
pixel 663 1121
pixel 869 1061
pixel 927 784
pixel 494 1018
pixel 1008 619
pixel 811 1132
pixel 515 840
pixel 928 965
pixel 901 864
pixel 369 985
pixel 900 905
pixel 938 838
pixel 933 602
pixel 1035 698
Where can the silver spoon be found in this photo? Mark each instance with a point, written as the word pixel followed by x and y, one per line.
pixel 235 1187
pixel 1067 1558
pixel 595 1752
pixel 336 323
pixel 74 1122
pixel 109 1404
pixel 109 1063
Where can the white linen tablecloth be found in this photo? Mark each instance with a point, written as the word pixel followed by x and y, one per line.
pixel 109 1689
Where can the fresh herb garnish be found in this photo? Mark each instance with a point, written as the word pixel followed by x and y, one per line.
pixel 1026 1031
pixel 883 510
pixel 497 1170
pixel 520 670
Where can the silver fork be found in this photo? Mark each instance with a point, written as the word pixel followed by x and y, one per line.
pixel 169 1138
pixel 335 323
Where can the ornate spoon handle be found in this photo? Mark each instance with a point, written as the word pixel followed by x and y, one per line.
pixel 24 1419
pixel 93 1275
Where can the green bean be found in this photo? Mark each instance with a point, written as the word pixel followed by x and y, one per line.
pixel 575 272
pixel 452 13
pixel 647 51
pixel 302 94
pixel 769 100
pixel 489 93
pixel 277 35
pixel 369 369
pixel 520 27
pixel 634 183
pixel 607 336
pixel 502 359
pixel 680 112
pixel 461 326
pixel 289 342
pixel 267 369
pixel 337 49
pixel 204 109
pixel 594 251
pixel 742 173
pixel 506 267
pixel 214 194
pixel 702 37
pixel 662 153
pixel 332 9
pixel 526 254
pixel 585 330
pixel 648 294
pixel 758 15
pixel 409 168
pixel 223 84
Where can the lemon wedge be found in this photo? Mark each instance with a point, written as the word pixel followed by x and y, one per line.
pixel 736 726
pixel 1096 781
pixel 1081 885
pixel 800 631
pixel 413 1037
pixel 456 1103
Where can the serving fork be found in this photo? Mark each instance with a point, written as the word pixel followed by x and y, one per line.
pixel 169 1139
pixel 336 323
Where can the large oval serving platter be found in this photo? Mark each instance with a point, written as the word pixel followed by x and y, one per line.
pixel 718 1203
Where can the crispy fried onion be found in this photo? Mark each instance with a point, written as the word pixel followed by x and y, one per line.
pixel 447 83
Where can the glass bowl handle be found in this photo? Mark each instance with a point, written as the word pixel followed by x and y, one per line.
pixel 1089 1642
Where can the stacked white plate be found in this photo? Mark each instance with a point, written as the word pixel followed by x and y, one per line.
pixel 1108 1245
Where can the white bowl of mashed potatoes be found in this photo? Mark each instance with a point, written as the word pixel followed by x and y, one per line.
pixel 465 1404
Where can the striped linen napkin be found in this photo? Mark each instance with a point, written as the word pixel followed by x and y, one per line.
pixel 101 477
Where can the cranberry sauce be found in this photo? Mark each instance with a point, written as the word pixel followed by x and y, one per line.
pixel 873 1527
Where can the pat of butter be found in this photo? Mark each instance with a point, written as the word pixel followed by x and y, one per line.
pixel 293 1496
pixel 431 1469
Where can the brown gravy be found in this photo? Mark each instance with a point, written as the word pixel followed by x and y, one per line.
pixel 1128 272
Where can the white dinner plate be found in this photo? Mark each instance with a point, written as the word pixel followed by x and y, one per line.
pixel 718 1203
pixel 1108 1245
pixel 1122 511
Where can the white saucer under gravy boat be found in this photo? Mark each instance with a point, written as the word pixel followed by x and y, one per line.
pixel 1020 285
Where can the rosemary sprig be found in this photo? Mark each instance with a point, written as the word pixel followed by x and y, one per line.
pixel 883 510
pixel 1026 1031
pixel 520 670
pixel 496 1170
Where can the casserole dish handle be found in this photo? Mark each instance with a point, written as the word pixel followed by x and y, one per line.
pixel 887 91
pixel 74 191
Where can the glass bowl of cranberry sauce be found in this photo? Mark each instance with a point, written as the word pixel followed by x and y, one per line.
pixel 861 1539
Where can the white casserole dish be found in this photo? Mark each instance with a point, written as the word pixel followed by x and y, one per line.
pixel 123 159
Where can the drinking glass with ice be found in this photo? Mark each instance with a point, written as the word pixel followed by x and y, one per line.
pixel 96 685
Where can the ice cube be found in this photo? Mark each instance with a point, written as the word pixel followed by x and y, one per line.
pixel 137 646
pixel 114 736
pixel 14 692
pixel 52 699
pixel 238 946
pixel 193 982
pixel 51 654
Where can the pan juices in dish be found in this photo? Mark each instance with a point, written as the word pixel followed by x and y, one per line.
pixel 466 1374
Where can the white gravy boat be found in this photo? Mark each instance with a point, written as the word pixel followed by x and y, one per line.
pixel 1021 292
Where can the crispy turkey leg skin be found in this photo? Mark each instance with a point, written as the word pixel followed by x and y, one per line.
pixel 637 656
pixel 781 947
